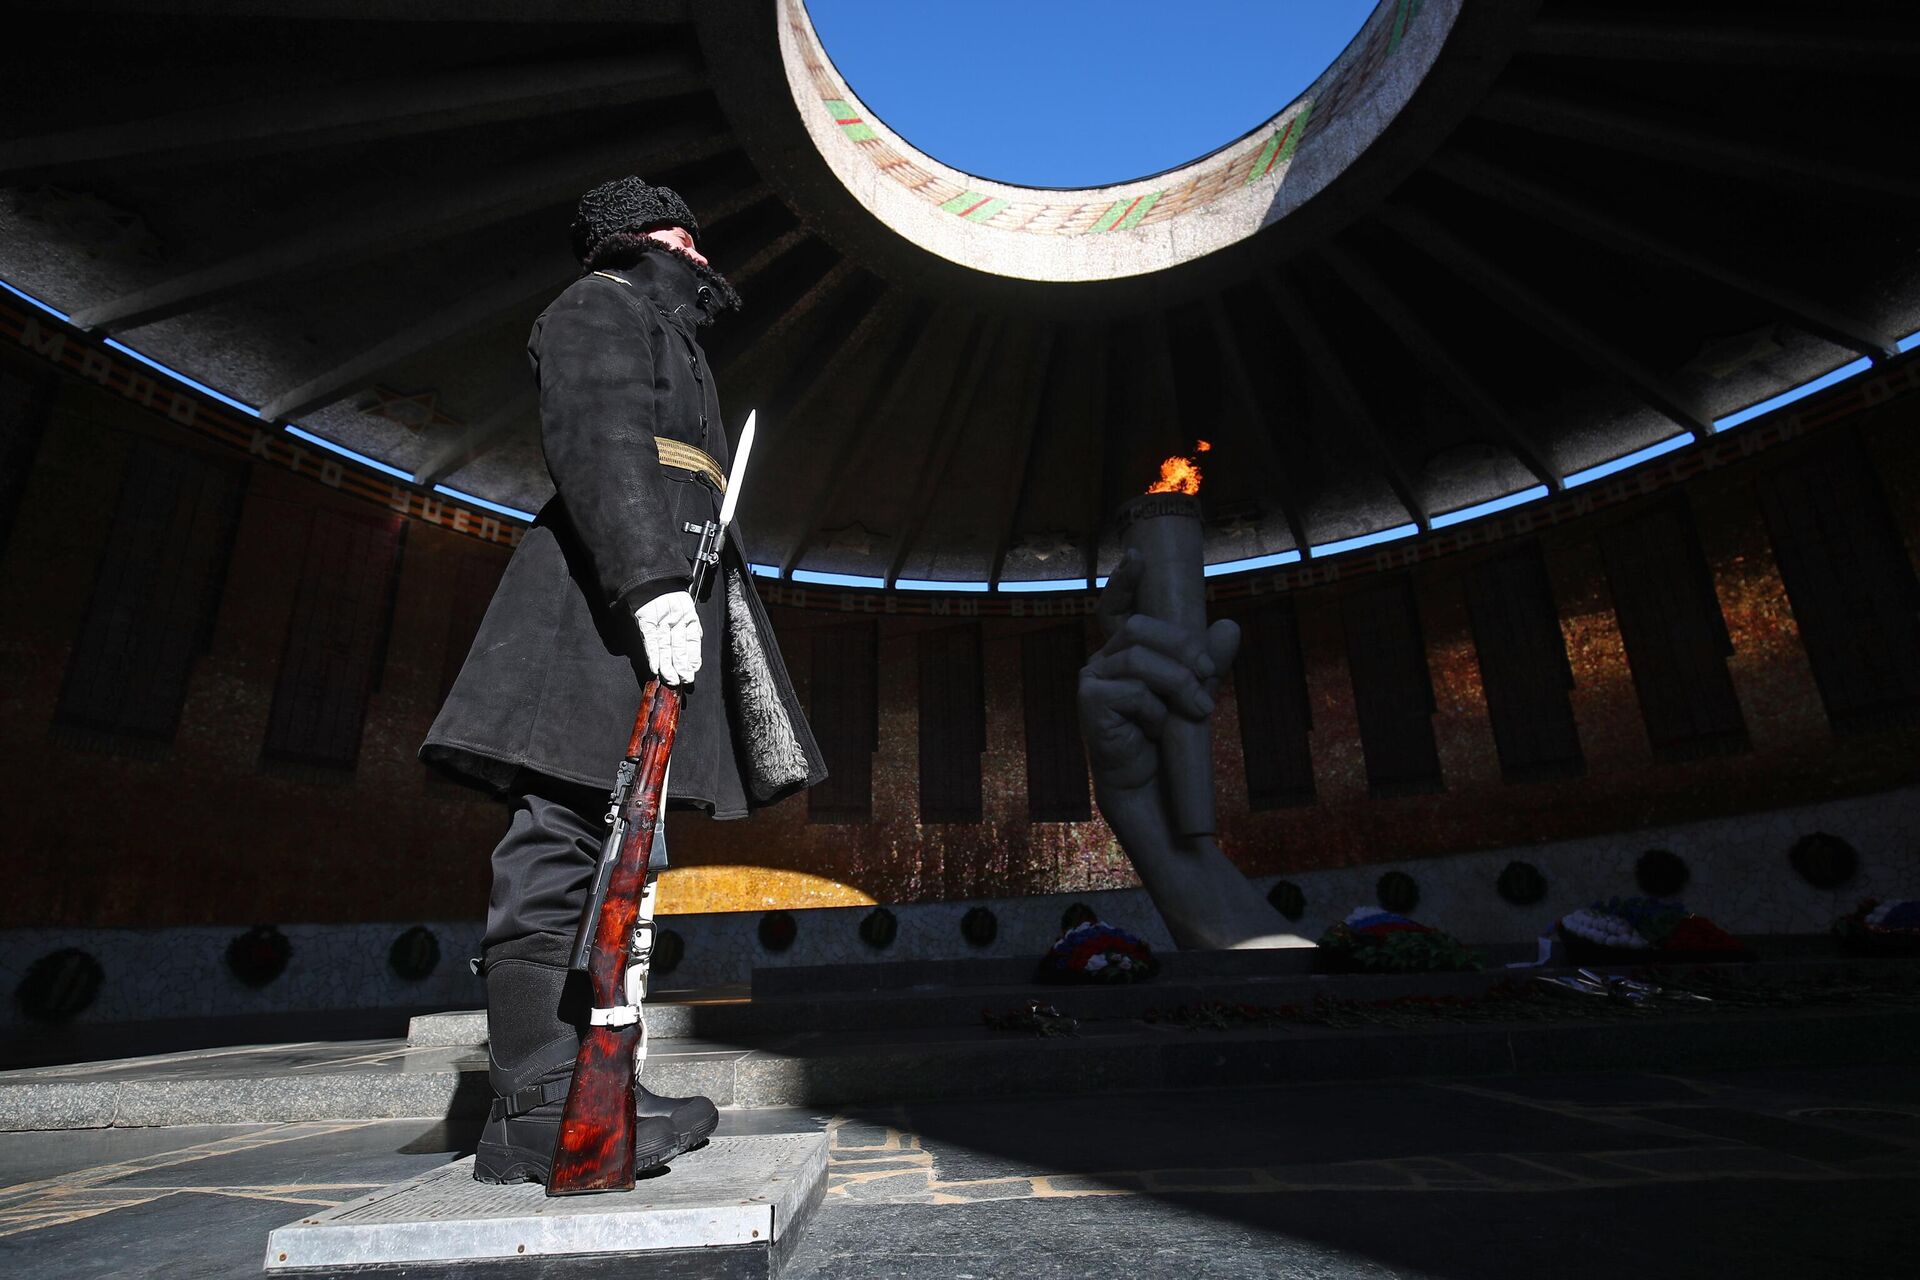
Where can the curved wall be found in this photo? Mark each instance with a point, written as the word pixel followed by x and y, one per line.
pixel 203 830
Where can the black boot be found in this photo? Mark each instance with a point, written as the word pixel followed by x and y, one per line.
pixel 533 1020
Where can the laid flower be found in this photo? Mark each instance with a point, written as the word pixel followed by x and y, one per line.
pixel 1095 951
pixel 1382 941
pixel 1598 925
pixel 1697 933
pixel 1894 916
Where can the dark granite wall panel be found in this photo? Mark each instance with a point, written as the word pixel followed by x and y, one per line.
pixel 953 723
pixel 844 710
pixel 1854 592
pixel 23 415
pixel 1676 637
pixel 1276 718
pixel 336 639
pixel 151 611
pixel 203 833
pixel 1392 690
pixel 1523 665
pixel 1050 660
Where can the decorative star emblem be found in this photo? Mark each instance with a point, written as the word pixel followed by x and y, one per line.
pixel 855 538
pixel 1724 357
pixel 414 410
pixel 1239 527
pixel 1045 546
pixel 100 229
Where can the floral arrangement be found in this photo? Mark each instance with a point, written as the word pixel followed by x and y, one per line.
pixel 1094 951
pixel 1893 925
pixel 1378 941
pixel 1649 927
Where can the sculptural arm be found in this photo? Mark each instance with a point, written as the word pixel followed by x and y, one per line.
pixel 1147 672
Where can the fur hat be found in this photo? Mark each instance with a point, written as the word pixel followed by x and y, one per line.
pixel 626 204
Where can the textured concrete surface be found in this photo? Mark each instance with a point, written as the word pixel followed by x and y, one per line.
pixel 873 1047
pixel 742 1193
pixel 1762 1172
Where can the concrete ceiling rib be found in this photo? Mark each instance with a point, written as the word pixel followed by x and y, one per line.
pixel 476 439
pixel 1425 345
pixel 1260 429
pixel 1494 182
pixel 892 387
pixel 353 112
pixel 524 293
pixel 504 12
pixel 428 214
pixel 1553 321
pixel 971 375
pixel 1027 425
pixel 1661 140
pixel 1830 47
pixel 1325 365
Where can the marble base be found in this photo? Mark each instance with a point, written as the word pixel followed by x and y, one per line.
pixel 1740 877
pixel 735 1207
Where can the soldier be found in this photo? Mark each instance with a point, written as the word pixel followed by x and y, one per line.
pixel 593 603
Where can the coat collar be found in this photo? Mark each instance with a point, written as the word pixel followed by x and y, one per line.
pixel 673 285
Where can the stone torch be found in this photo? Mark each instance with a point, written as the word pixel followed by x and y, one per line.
pixel 1163 526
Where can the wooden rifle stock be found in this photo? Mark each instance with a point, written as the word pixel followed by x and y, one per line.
pixel 595 1147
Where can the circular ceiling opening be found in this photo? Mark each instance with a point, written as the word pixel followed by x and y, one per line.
pixel 1066 96
pixel 1122 229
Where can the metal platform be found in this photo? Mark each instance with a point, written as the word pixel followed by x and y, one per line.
pixel 734 1208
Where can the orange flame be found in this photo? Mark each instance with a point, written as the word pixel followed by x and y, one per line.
pixel 1180 475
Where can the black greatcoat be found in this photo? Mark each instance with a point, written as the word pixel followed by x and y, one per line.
pixel 553 680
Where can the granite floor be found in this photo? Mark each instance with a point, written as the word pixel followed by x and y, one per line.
pixel 1765 1172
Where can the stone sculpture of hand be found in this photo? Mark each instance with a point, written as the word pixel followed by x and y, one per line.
pixel 1148 672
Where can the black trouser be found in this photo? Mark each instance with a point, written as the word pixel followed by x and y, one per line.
pixel 543 865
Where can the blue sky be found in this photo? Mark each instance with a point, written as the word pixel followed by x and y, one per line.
pixel 1071 93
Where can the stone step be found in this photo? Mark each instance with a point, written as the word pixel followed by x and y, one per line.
pixel 778 1009
pixel 671 1015
pixel 391 1079
pixel 735 1209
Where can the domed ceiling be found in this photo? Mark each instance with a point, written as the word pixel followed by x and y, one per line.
pixel 1499 246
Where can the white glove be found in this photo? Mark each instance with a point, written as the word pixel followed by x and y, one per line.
pixel 671 630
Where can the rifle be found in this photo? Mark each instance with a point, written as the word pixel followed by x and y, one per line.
pixel 594 1151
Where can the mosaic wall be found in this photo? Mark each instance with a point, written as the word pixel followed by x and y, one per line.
pixel 1795 756
pixel 1738 873
pixel 202 830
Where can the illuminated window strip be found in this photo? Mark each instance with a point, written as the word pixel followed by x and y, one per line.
pixel 1490 506
pixel 836 579
pixel 30 300
pixel 1909 342
pixel 1365 540
pixel 1044 584
pixel 935 584
pixel 478 501
pixel 1787 397
pixel 345 452
pixel 1251 563
pixel 205 390
pixel 1621 463
pixel 763 570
